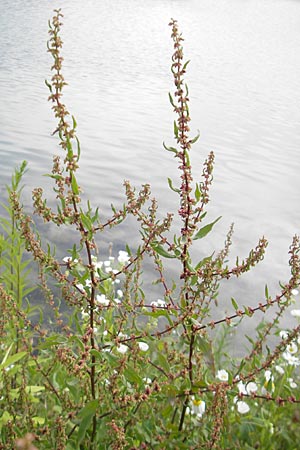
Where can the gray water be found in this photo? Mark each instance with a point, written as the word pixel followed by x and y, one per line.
pixel 244 81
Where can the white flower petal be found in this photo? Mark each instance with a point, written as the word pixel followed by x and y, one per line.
pixel 242 407
pixel 143 346
pixel 102 300
pixel 222 375
pixel 122 348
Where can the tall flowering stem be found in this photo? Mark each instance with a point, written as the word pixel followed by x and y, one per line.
pixel 67 136
pixel 181 132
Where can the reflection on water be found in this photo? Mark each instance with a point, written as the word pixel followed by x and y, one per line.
pixel 244 82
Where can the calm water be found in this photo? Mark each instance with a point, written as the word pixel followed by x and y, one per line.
pixel 244 81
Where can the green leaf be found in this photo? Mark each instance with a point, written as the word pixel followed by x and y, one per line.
pixel 171 100
pixel 205 230
pixel 48 85
pixel 74 122
pixel 175 129
pixel 170 149
pixel 192 141
pixel 234 304
pixel 185 64
pixel 74 185
pixel 197 193
pixel 78 148
pixel 266 292
pixel 12 359
pixel 162 362
pixel 161 251
pixel 131 375
pixel 86 415
pixel 172 187
pixel 34 389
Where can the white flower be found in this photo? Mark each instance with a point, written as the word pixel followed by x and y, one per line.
pixel 117 301
pixel 143 346
pixel 291 359
pixel 102 300
pixel 147 381
pixel 222 375
pixel 292 383
pixel 198 407
pixel 251 387
pixel 123 257
pixel 84 314
pixel 279 369
pixel 119 293
pixel 294 292
pixel 292 348
pixel 158 304
pixel 284 334
pixel 69 259
pixel 269 378
pixel 268 375
pixel 295 312
pixel 97 264
pixel 247 389
pixel 242 407
pixel 242 388
pixel 106 263
pixel 122 348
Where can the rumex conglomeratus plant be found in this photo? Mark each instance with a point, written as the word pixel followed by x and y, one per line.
pixel 123 369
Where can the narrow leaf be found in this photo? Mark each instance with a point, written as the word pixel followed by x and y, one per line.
pixel 170 149
pixel 197 193
pixel 172 187
pixel 205 230
pixel 12 359
pixel 74 185
pixel 175 129
pixel 161 251
pixel 234 304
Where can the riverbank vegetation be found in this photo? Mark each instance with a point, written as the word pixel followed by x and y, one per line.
pixel 117 369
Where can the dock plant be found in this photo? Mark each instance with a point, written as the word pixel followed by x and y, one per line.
pixel 115 367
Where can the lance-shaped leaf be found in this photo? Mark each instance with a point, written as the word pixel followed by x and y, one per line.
pixel 161 251
pixel 205 230
pixel 172 187
pixel 85 416
pixel 175 129
pixel 170 149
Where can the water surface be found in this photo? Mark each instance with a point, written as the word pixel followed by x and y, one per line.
pixel 244 80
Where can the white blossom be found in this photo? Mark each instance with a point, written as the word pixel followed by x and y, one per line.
pixel 279 369
pixel 242 407
pixel 102 300
pixel 121 348
pixel 158 303
pixel 123 257
pixel 292 383
pixel 143 346
pixel 291 359
pixel 197 407
pixel 292 348
pixel 222 375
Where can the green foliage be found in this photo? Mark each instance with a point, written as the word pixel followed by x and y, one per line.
pixel 118 369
